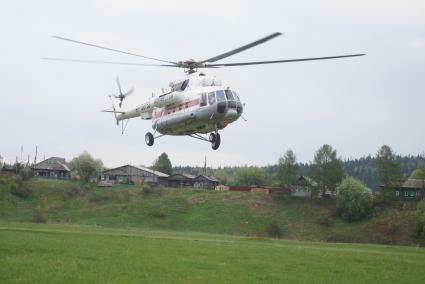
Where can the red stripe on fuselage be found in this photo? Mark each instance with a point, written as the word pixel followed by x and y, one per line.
pixel 177 108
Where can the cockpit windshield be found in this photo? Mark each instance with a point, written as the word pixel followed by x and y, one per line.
pixel 220 96
pixel 229 95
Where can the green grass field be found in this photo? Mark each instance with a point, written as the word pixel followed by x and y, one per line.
pixel 49 253
pixel 60 231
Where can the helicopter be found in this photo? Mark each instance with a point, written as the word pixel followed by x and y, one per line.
pixel 194 106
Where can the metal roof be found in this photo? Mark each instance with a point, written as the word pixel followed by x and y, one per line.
pixel 52 164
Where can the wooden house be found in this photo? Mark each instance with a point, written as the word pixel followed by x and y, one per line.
pixel 54 167
pixel 304 187
pixel 181 180
pixel 410 189
pixel 203 181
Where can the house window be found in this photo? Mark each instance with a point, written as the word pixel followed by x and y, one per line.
pixel 397 193
pixel 412 193
pixel 406 194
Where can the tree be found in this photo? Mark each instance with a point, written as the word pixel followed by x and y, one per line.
pixel 250 176
pixel 388 169
pixel 326 169
pixel 163 164
pixel 353 200
pixel 86 167
pixel 419 173
pixel 287 169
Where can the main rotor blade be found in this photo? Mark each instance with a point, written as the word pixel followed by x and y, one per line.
pixel 280 61
pixel 240 49
pixel 105 62
pixel 112 49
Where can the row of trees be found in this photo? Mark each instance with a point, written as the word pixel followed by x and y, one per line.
pixel 328 170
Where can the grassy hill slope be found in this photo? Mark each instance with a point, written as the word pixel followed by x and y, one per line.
pixel 190 210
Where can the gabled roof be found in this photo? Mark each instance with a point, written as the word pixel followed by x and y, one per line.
pixel 413 183
pixel 210 178
pixel 52 164
pixel 160 174
pixel 7 167
pixel 187 176
pixel 157 173
pixel 307 179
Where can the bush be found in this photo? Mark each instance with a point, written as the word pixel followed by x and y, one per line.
pixel 38 216
pixel 74 192
pixel 325 219
pixel 342 238
pixel 146 189
pixel 388 226
pixel 157 213
pixel 20 190
pixel 99 197
pixel 354 200
pixel 273 230
pixel 420 223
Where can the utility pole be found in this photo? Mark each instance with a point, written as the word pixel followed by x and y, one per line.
pixel 35 157
pixel 205 166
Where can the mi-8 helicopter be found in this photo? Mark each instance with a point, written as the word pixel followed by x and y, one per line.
pixel 193 106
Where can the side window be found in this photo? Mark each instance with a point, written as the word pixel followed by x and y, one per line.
pixel 184 84
pixel 211 98
pixel 203 99
pixel 220 96
pixel 235 95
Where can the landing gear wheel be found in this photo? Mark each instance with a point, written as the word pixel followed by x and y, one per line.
pixel 212 137
pixel 149 139
pixel 216 143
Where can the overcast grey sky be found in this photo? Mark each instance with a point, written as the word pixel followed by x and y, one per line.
pixel 354 104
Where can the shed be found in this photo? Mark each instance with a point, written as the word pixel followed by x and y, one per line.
pixel 133 175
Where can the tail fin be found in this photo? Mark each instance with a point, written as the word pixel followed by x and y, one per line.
pixel 114 111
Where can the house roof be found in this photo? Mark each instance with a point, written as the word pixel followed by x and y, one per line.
pixel 210 178
pixel 187 176
pixel 160 174
pixel 413 183
pixel 309 180
pixel 7 167
pixel 157 173
pixel 52 164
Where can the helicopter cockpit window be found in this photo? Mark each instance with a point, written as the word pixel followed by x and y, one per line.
pixel 203 99
pixel 211 98
pixel 235 95
pixel 220 96
pixel 229 95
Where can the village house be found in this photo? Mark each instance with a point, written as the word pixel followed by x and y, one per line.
pixel 8 170
pixel 180 180
pixel 54 167
pixel 410 189
pixel 203 181
pixel 303 187
pixel 133 175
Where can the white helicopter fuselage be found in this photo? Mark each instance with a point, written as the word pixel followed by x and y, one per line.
pixel 196 104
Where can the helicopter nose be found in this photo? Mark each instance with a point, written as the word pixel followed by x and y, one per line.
pixel 231 113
